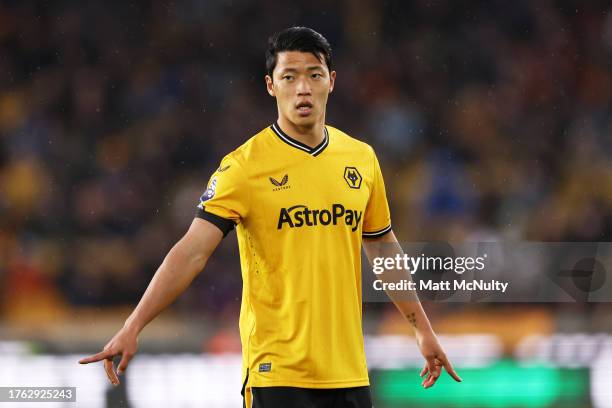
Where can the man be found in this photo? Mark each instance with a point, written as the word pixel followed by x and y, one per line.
pixel 301 196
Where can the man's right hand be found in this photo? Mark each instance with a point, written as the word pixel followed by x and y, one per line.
pixel 124 344
pixel 184 261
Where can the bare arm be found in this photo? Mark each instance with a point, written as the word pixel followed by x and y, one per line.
pixel 182 264
pixel 408 304
pixel 410 307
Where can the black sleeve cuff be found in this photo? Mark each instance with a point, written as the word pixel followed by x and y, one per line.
pixel 376 234
pixel 223 224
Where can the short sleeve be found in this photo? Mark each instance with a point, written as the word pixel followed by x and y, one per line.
pixel 377 219
pixel 225 200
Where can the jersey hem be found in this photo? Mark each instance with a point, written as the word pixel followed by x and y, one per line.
pixel 310 384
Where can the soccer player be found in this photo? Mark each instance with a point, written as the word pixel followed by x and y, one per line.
pixel 303 197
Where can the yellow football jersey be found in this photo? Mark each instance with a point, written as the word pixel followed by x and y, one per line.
pixel 300 215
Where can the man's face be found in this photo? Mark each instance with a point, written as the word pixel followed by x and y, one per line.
pixel 301 85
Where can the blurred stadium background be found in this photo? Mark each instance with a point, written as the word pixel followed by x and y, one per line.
pixel 492 121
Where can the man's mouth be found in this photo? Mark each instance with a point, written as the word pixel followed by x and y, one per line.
pixel 304 108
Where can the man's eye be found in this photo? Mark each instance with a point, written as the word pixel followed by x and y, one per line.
pixel 289 77
pixel 317 75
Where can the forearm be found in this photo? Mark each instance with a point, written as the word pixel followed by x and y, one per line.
pixel 414 313
pixel 407 302
pixel 172 278
pixel 184 261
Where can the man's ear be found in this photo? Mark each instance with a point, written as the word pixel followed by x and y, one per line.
pixel 332 80
pixel 270 86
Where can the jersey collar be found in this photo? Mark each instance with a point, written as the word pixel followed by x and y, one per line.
pixel 314 151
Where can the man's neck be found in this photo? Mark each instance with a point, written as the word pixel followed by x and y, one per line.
pixel 311 136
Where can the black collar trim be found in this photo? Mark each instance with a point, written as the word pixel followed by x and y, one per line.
pixel 314 151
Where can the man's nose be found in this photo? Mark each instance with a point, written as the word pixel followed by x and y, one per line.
pixel 303 87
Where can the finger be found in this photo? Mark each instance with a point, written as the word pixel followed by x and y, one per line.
pixel 450 370
pixel 437 368
pixel 96 357
pixel 426 381
pixel 434 373
pixel 429 370
pixel 423 371
pixel 125 360
pixel 431 380
pixel 423 381
pixel 431 365
pixel 110 372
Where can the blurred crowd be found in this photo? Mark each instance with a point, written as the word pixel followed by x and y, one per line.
pixel 492 121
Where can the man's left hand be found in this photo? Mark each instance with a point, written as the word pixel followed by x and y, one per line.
pixel 435 359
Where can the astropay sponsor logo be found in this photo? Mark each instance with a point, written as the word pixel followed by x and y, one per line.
pixel 300 215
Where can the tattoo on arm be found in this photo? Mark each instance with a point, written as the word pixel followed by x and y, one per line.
pixel 412 319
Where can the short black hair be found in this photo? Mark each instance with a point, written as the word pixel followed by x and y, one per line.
pixel 301 39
